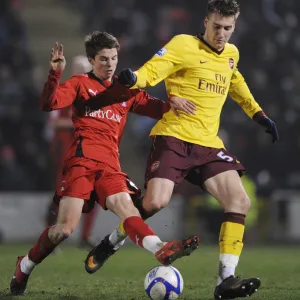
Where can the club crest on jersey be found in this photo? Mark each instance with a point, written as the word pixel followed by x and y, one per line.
pixel 155 166
pixel 161 52
pixel 231 63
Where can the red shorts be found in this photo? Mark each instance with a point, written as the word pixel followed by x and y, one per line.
pixel 89 179
pixel 176 160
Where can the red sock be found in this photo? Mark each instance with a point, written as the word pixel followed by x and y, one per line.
pixel 42 248
pixel 88 222
pixel 137 229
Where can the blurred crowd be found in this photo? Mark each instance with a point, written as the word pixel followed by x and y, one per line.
pixel 23 151
pixel 267 36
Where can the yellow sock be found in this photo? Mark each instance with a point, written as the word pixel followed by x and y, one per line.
pixel 121 227
pixel 231 238
pixel 118 236
pixel 231 243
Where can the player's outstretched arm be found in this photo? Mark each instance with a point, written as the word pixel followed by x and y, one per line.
pixel 55 96
pixel 165 62
pixel 149 106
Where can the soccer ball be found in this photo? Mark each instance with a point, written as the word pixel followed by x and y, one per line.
pixel 163 283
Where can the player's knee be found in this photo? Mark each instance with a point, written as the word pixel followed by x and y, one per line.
pixel 122 206
pixel 240 204
pixel 126 206
pixel 246 203
pixel 156 203
pixel 60 232
pixel 158 194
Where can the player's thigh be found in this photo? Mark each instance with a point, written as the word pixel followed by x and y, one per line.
pixel 158 193
pixel 167 165
pixel 111 183
pixel 69 212
pixel 228 190
pixel 121 204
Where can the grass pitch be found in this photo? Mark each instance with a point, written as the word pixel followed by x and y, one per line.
pixel 63 277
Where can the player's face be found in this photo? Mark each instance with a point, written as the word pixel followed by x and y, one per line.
pixel 105 63
pixel 218 30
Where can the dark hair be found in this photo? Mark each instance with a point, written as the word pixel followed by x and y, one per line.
pixel 97 40
pixel 225 8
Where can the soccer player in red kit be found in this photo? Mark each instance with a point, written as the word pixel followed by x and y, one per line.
pixel 92 169
pixel 61 127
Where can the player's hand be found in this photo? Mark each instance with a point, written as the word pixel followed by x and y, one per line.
pixel 183 105
pixel 127 78
pixel 267 123
pixel 57 59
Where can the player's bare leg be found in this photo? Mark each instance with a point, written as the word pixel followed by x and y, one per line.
pixel 227 188
pixel 157 196
pixel 68 218
pixel 50 219
pixel 141 234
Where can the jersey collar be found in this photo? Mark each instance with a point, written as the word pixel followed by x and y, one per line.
pixel 103 83
pixel 200 37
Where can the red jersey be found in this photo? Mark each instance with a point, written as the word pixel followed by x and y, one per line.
pixel 99 112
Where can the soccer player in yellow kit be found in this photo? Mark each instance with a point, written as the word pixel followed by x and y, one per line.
pixel 202 69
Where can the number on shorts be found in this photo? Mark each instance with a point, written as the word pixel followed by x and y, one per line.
pixel 222 155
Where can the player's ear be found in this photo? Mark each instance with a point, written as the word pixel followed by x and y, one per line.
pixel 91 61
pixel 205 22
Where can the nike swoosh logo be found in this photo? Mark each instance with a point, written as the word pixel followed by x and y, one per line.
pixel 91 91
pixel 160 253
pixel 203 62
pixel 137 239
pixel 91 263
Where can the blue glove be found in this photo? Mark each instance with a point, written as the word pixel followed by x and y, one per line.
pixel 127 78
pixel 261 119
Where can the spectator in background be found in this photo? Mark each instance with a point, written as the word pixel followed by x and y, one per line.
pixel 13 178
pixel 21 128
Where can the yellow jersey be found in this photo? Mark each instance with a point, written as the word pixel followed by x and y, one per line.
pixel 195 71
